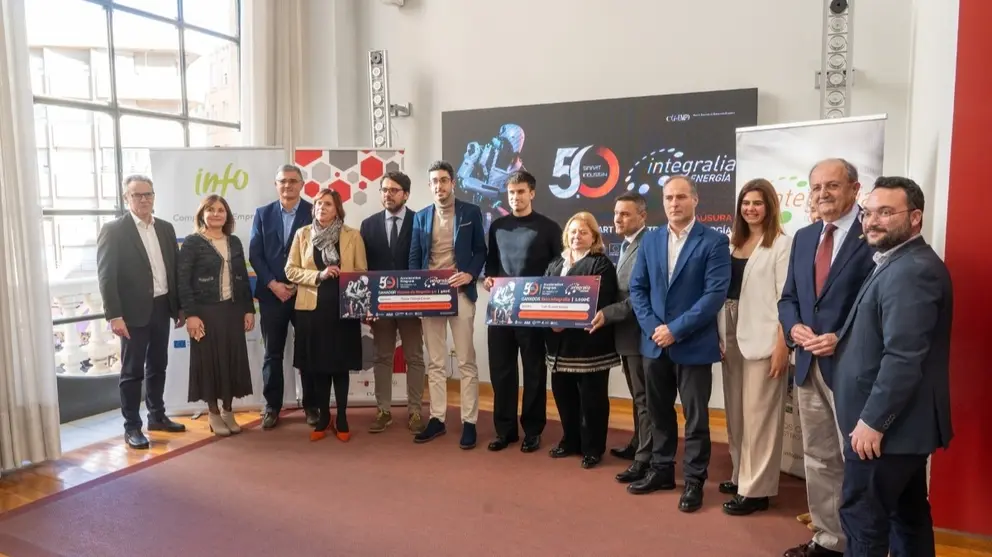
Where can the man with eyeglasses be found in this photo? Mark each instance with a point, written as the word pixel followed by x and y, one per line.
pixel 830 260
pixel 387 247
pixel 272 231
pixel 136 269
pixel 448 235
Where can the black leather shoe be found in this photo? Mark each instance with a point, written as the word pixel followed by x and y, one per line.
pixel 728 488
pixel 811 549
pixel 560 452
pixel 270 419
pixel 625 453
pixel 692 497
pixel 500 443
pixel 634 472
pixel 652 481
pixel 531 443
pixel 313 416
pixel 743 506
pixel 591 461
pixel 165 424
pixel 135 439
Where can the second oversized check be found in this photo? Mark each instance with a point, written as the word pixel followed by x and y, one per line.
pixel 397 294
pixel 566 302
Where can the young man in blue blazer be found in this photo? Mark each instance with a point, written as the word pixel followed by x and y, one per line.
pixel 272 231
pixel 448 235
pixel 677 288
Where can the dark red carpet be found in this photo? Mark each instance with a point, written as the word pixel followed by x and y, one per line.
pixel 276 493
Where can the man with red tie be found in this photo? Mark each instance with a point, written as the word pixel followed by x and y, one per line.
pixel 830 260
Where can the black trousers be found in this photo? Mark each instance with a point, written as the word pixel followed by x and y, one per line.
pixel 583 401
pixel 504 344
pixel 144 357
pixel 884 506
pixel 317 390
pixel 274 323
pixel 664 380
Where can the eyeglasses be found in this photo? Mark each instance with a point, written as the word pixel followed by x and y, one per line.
pixel 882 214
pixel 442 181
pixel 289 181
pixel 391 191
pixel 142 195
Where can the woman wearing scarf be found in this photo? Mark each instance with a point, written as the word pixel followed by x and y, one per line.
pixel 580 361
pixel 327 348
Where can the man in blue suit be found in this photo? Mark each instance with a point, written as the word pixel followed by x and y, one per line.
pixel 677 288
pixel 891 380
pixel 830 260
pixel 272 231
pixel 448 235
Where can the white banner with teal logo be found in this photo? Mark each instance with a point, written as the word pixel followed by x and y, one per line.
pixel 784 155
pixel 245 177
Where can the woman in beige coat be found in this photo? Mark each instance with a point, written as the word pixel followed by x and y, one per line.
pixel 327 348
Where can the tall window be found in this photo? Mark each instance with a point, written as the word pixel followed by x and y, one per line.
pixel 111 79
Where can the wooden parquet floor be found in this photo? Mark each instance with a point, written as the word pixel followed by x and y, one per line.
pixel 110 455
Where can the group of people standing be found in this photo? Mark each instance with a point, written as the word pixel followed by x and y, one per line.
pixel 858 300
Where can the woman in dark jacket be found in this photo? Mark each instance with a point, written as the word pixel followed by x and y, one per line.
pixel 216 299
pixel 580 361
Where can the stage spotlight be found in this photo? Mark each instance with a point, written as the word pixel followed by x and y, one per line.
pixel 381 111
pixel 379 99
pixel 836 75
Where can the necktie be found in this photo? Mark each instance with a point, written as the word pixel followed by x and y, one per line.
pixel 823 255
pixel 623 247
pixel 394 233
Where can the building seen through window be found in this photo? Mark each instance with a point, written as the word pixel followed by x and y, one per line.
pixel 112 80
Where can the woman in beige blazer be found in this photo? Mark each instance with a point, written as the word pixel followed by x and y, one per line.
pixel 756 358
pixel 326 348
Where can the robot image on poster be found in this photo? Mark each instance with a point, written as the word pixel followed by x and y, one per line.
pixel 485 169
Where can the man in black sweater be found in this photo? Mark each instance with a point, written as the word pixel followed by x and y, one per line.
pixel 521 244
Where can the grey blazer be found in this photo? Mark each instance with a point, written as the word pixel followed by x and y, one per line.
pixel 893 352
pixel 125 273
pixel 621 314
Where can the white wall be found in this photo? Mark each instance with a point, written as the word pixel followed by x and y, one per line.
pixel 463 54
pixel 933 57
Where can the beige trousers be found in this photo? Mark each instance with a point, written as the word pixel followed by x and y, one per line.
pixel 462 335
pixel 823 451
pixel 411 335
pixel 755 408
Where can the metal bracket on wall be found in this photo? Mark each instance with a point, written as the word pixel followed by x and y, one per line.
pixel 400 110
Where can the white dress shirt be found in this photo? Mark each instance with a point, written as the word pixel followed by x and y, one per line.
pixel 149 239
pixel 400 215
pixel 843 225
pixel 578 255
pixel 676 241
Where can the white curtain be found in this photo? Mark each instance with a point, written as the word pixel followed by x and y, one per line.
pixel 29 408
pixel 272 76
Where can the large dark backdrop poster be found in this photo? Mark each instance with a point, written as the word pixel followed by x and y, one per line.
pixel 584 154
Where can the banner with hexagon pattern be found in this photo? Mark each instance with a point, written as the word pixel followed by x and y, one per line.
pixel 355 175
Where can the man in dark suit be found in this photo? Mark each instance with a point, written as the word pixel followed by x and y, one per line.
pixel 136 267
pixel 677 288
pixel 891 381
pixel 387 247
pixel 448 235
pixel 629 218
pixel 829 261
pixel 272 231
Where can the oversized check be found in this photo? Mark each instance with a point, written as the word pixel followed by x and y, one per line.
pixel 398 294
pixel 559 302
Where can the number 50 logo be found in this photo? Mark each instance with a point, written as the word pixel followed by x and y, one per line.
pixel 568 164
